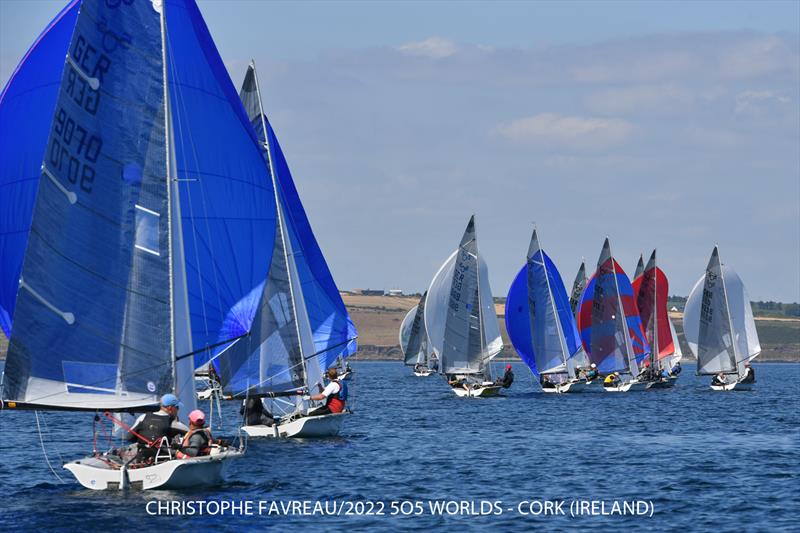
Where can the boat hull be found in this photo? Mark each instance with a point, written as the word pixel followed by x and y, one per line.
pixel 664 383
pixel 630 386
pixel 569 387
pixel 346 376
pixel 736 385
pixel 423 373
pixel 95 474
pixel 484 391
pixel 301 428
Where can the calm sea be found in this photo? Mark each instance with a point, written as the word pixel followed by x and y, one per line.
pixel 705 460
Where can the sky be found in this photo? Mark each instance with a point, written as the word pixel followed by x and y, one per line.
pixel 668 125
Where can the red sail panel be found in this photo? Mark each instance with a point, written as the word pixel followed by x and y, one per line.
pixel 651 290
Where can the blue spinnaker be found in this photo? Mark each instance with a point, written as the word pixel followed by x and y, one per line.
pixel 26 112
pixel 227 199
pixel 519 324
pixel 334 331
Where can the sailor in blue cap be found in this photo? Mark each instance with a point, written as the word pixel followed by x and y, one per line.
pixel 153 430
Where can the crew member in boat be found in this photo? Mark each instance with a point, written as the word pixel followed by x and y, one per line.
pixel 507 379
pixel 197 441
pixel 676 369
pixel 749 374
pixel 592 373
pixel 719 379
pixel 546 383
pixel 612 380
pixel 255 413
pixel 334 394
pixel 434 363
pixel 150 429
pixel 458 382
pixel 419 367
pixel 648 373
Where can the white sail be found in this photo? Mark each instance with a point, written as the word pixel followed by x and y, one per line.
pixel 718 321
pixel 459 311
pixel 678 354
pixel 413 341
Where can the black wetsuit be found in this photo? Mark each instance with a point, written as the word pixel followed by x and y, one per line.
pixel 750 376
pixel 255 414
pixel 508 379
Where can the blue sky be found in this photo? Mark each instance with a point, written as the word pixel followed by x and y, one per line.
pixel 661 124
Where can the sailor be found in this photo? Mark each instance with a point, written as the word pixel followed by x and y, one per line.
pixel 457 382
pixel 612 380
pixel 197 440
pixel 150 429
pixel 546 383
pixel 719 379
pixel 592 373
pixel 255 414
pixel 434 363
pixel 334 394
pixel 749 374
pixel 676 369
pixel 507 379
pixel 648 374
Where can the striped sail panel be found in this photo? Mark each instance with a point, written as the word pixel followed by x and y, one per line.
pixel 651 288
pixel 26 110
pixel 92 319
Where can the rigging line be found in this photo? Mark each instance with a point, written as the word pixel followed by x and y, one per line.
pixel 44 451
pixel 329 348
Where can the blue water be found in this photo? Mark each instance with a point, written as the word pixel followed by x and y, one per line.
pixel 721 461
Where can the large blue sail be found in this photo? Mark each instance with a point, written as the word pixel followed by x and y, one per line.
pixel 226 195
pixel 91 326
pixel 333 330
pixel 536 299
pixel 26 109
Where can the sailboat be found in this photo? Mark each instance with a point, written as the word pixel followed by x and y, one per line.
pixel 300 326
pixel 578 287
pixel 719 326
pixel 651 289
pixel 639 267
pixel 414 340
pixel 541 325
pixel 461 321
pixel 137 212
pixel 610 326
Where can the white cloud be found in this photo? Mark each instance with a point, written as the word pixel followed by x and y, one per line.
pixel 433 47
pixel 553 129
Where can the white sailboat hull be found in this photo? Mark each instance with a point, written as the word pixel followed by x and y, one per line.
pixel 572 387
pixel 630 386
pixel 483 391
pixel 736 385
pixel 423 373
pixel 301 428
pixel 95 474
pixel 346 375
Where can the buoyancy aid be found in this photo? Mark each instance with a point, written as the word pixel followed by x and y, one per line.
pixel 195 442
pixel 335 401
pixel 154 427
pixel 610 380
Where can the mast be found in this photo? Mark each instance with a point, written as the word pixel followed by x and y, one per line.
pixel 559 329
pixel 736 360
pixel 281 226
pixel 655 350
pixel 180 321
pixel 486 361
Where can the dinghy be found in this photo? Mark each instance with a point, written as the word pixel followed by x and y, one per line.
pixel 719 326
pixel 651 289
pixel 461 321
pixel 610 326
pixel 135 208
pixel 300 327
pixel 541 325
pixel 414 340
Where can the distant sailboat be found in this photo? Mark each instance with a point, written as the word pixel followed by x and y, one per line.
pixel 300 326
pixel 461 321
pixel 610 326
pixel 651 289
pixel 414 340
pixel 578 287
pixel 719 326
pixel 541 325
pixel 133 190
pixel 639 267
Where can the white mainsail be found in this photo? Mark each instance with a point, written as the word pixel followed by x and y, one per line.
pixel 413 337
pixel 459 313
pixel 718 321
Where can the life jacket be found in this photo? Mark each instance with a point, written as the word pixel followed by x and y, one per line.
pixel 201 434
pixel 154 427
pixel 336 400
pixel 610 379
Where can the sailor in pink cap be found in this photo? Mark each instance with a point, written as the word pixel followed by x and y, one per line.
pixel 197 440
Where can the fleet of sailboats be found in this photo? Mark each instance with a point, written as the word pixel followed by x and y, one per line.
pixel 152 228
